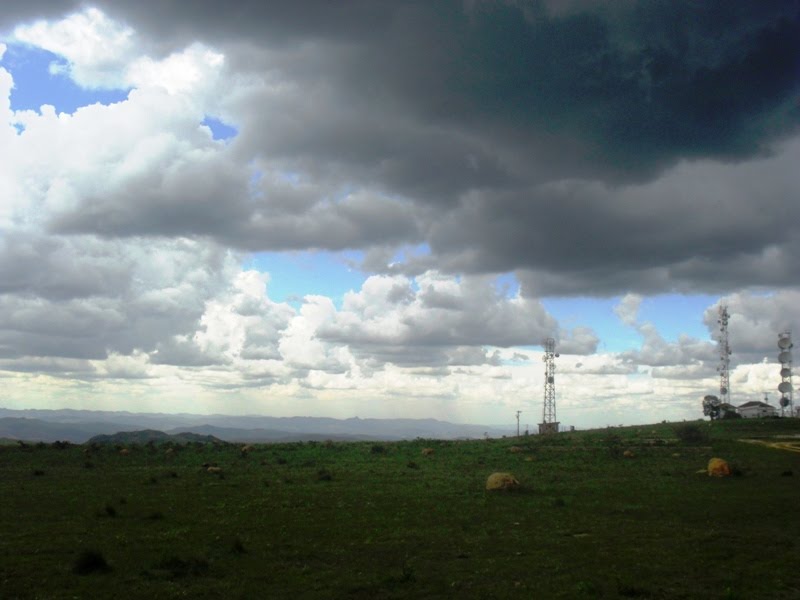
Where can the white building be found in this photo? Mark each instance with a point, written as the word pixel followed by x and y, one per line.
pixel 757 410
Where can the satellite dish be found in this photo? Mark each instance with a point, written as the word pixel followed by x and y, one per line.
pixel 784 402
pixel 557 355
pixel 785 356
pixel 551 379
pixel 723 390
pixel 784 343
pixel 785 387
pixel 786 372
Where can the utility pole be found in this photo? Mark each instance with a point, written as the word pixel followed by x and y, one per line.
pixel 519 412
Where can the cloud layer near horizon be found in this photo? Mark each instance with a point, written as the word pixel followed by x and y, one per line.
pixel 592 150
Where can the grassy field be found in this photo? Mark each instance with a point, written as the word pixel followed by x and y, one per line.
pixel 364 520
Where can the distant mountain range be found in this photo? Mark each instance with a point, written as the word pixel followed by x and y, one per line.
pixel 78 426
pixel 146 436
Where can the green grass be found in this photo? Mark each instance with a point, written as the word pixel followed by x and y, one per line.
pixel 313 520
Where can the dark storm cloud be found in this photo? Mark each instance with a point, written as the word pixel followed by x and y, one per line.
pixel 633 86
pixel 526 136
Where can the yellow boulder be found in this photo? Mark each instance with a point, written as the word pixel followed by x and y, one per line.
pixel 501 481
pixel 718 467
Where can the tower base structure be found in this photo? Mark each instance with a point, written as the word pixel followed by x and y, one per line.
pixel 547 428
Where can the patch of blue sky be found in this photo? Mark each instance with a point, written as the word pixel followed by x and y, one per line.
pixel 506 285
pixel 675 314
pixel 35 83
pixel 598 314
pixel 219 129
pixel 672 315
pixel 293 275
pixel 409 252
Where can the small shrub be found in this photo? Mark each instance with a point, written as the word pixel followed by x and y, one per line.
pixel 88 465
pixel 280 460
pixel 588 588
pixel 412 465
pixel 613 444
pixel 38 473
pixel 631 591
pixel 323 475
pixel 156 515
pixel 559 502
pixel 110 510
pixel 237 547
pixel 691 434
pixel 177 567
pixel 377 449
pixel 90 561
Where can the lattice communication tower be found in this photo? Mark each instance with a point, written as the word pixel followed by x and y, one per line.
pixel 549 423
pixel 724 356
pixel 785 358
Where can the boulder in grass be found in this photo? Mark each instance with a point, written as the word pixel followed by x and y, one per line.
pixel 427 451
pixel 628 454
pixel 516 450
pixel 718 467
pixel 502 481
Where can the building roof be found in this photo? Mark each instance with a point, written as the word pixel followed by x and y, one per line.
pixel 754 403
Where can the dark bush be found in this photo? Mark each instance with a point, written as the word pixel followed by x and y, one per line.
pixel 178 567
pixel 237 547
pixel 613 444
pixel 90 561
pixel 691 434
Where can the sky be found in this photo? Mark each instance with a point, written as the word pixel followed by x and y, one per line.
pixel 382 209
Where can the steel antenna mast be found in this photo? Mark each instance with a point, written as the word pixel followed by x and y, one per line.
pixel 724 348
pixel 549 423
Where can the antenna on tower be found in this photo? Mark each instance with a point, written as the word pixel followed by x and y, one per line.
pixel 724 356
pixel 785 358
pixel 549 423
